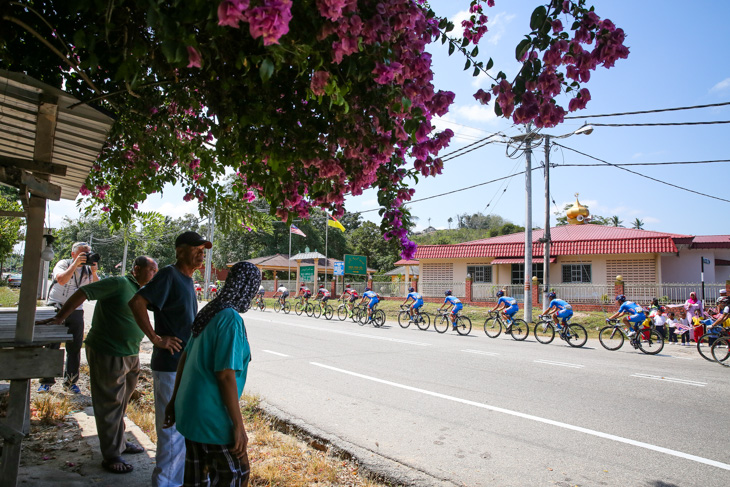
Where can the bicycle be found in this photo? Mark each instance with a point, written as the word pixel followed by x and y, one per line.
pixel 343 311
pixel 319 310
pixel 705 342
pixel 422 319
pixel 462 323
pixel 378 316
pixel 647 340
pixel 721 350
pixel 300 307
pixel 573 333
pixel 286 308
pixel 518 329
pixel 260 303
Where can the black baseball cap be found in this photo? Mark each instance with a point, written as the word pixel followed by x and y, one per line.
pixel 193 239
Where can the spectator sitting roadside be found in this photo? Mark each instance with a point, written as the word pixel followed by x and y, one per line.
pixel 210 380
pixel 112 351
pixel 171 296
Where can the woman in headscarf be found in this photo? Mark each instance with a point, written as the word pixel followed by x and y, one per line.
pixel 210 380
pixel 691 306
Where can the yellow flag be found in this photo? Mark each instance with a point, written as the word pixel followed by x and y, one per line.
pixel 331 221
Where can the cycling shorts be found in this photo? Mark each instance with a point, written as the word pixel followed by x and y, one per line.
pixel 325 298
pixel 417 304
pixel 373 302
pixel 565 314
pixel 457 308
pixel 261 293
pixel 307 295
pixel 637 318
pixel 512 310
pixel 285 295
pixel 353 298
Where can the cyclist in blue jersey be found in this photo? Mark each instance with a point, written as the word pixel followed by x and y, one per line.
pixel 508 305
pixel 633 314
pixel 456 303
pixel 417 301
pixel 560 309
pixel 373 297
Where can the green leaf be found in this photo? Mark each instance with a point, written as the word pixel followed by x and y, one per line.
pixel 443 38
pixel 490 64
pixel 467 65
pixel 464 42
pixel 522 48
pixel 538 17
pixel 451 48
pixel 475 51
pixel 406 102
pixel 442 23
pixel 449 27
pixel 498 109
pixel 476 71
pixel 266 70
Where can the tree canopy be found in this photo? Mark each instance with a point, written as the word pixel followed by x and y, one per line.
pixel 305 102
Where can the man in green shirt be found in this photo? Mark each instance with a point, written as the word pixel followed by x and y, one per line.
pixel 112 351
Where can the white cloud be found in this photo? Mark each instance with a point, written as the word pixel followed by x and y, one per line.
pixel 497 27
pixel 458 18
pixel 650 219
pixel 461 132
pixel 173 210
pixel 475 113
pixel 721 86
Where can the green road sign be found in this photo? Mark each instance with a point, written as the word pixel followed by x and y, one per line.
pixel 306 273
pixel 356 264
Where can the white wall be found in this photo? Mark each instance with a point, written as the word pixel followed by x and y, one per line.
pixel 687 266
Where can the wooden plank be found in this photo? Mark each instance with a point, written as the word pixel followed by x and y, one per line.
pixel 34 165
pixel 42 335
pixel 30 363
pixel 9 433
pixel 39 187
pixel 31 269
pixel 18 419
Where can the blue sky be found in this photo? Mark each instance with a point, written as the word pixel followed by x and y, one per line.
pixel 676 59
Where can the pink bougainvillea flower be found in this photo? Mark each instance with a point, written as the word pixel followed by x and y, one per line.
pixel 231 12
pixel 319 81
pixel 193 58
pixel 270 20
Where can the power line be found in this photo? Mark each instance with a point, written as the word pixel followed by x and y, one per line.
pixel 662 124
pixel 470 145
pixel 643 175
pixel 644 163
pixel 658 110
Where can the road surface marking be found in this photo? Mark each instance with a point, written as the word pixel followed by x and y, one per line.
pixel 682 358
pixel 561 364
pixel 275 353
pixel 350 333
pixel 480 352
pixel 670 379
pixel 580 429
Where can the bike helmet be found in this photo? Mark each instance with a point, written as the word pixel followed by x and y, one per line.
pixel 448 293
pixel 321 286
pixel 500 293
pixel 620 298
pixel 552 295
pixel 410 290
pixel 348 286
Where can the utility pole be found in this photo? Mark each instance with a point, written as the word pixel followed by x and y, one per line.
pixel 126 246
pixel 209 255
pixel 546 233
pixel 528 225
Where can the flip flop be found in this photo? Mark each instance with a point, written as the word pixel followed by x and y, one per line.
pixel 131 448
pixel 116 465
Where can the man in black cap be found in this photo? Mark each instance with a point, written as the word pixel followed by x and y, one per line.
pixel 171 297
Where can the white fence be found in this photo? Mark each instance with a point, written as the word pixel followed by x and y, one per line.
pixel 436 289
pixel 482 291
pixel 391 288
pixel 584 293
pixel 671 292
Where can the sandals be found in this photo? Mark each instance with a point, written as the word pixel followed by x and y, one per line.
pixel 117 465
pixel 131 448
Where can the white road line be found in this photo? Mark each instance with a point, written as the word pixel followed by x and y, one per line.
pixel 561 364
pixel 275 353
pixel 350 333
pixel 670 379
pixel 580 429
pixel 480 352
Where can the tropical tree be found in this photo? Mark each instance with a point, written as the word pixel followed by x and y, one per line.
pixel 450 221
pixel 318 99
pixel 638 224
pixel 615 221
pixel 10 233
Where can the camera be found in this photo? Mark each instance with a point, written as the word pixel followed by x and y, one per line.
pixel 92 258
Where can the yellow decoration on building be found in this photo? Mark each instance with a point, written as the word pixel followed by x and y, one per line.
pixel 578 214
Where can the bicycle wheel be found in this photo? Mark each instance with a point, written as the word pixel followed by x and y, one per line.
pixel 342 312
pixel 316 311
pixel 721 350
pixel 492 327
pixel 328 312
pixel 576 335
pixel 287 307
pixel 404 319
pixel 309 309
pixel 356 314
pixel 277 306
pixel 611 338
pixel 544 332
pixel 441 323
pixel 519 329
pixel 362 317
pixel 378 317
pixel 463 325
pixel 423 321
pixel 653 344
pixel 298 308
pixel 262 305
pixel 704 345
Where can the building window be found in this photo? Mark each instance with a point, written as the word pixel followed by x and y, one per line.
pixel 576 273
pixel 518 273
pixel 480 273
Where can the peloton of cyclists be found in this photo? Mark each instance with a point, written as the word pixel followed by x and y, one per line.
pixel 560 310
pixel 450 301
pixel 633 314
pixel 417 302
pixel 282 292
pixel 374 299
pixel 508 305
pixel 349 295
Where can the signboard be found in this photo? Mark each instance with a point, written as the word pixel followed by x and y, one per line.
pixel 306 274
pixel 356 264
pixel 339 268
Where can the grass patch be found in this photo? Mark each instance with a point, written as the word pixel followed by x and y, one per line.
pixel 50 408
pixel 9 296
pixel 141 407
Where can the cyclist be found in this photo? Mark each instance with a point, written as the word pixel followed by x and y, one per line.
pixel 282 292
pixel 508 305
pixel 723 308
pixel 323 294
pixel 350 295
pixel 633 314
pixel 374 299
pixel 417 302
pixel 560 310
pixel 304 294
pixel 452 301
pixel 260 294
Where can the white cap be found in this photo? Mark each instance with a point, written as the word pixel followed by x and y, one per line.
pixel 723 291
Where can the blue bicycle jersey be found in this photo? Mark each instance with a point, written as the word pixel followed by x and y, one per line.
pixel 369 295
pixel 452 299
pixel 631 308
pixel 414 296
pixel 507 301
pixel 559 304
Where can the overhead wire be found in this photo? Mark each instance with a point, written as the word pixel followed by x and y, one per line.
pixel 659 124
pixel 642 112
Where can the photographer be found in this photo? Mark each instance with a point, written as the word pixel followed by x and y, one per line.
pixel 68 276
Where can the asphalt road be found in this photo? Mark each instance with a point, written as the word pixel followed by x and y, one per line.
pixel 479 411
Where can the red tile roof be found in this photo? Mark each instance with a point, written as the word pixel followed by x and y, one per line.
pixel 711 242
pixel 566 240
pixel 519 260
pixel 406 262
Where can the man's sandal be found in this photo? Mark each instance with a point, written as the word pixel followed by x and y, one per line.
pixel 131 448
pixel 116 465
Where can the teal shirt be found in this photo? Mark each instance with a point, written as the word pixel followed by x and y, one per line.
pixel 113 329
pixel 200 413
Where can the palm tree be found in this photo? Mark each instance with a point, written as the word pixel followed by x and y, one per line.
pixel 615 221
pixel 450 220
pixel 638 224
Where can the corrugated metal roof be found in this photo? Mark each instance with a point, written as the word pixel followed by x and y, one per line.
pixel 307 255
pixel 79 135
